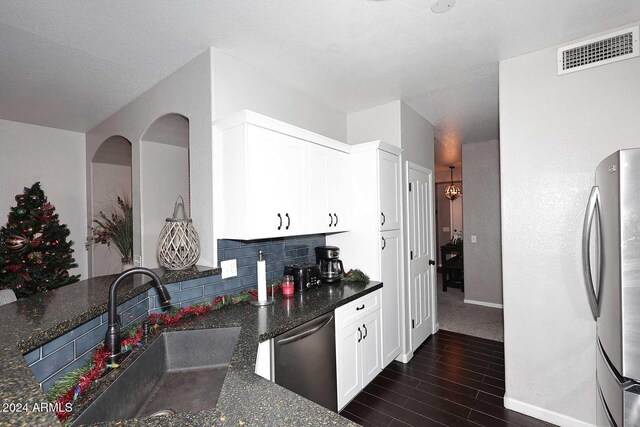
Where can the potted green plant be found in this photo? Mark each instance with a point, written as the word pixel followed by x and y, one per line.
pixel 116 229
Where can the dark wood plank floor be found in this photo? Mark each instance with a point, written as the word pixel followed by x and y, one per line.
pixel 452 380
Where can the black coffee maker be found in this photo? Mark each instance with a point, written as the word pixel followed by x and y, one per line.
pixel 330 266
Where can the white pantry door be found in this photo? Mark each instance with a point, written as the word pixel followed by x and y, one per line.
pixel 421 251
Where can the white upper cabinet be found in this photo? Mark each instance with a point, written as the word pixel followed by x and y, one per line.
pixel 389 187
pixel 276 180
pixel 329 186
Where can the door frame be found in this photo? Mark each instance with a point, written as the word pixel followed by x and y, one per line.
pixel 408 353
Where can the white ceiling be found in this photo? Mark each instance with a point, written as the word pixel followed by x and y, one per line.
pixel 72 63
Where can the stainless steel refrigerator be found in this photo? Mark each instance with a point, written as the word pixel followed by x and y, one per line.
pixel 611 263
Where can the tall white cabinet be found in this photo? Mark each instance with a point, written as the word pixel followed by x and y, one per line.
pixel 374 242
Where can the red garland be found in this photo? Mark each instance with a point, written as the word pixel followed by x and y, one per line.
pixel 100 356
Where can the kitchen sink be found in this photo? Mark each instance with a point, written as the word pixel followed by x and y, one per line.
pixel 182 371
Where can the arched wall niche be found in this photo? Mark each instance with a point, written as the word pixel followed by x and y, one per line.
pixel 110 179
pixel 164 175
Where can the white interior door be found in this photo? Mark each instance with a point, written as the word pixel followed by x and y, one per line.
pixel 421 248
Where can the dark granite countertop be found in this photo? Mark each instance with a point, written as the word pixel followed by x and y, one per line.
pixel 245 399
pixel 31 322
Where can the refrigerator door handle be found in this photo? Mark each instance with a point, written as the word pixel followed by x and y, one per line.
pixel 592 205
pixel 605 409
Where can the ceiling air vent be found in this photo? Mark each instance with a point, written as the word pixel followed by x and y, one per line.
pixel 599 51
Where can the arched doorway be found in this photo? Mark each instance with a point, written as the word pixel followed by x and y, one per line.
pixel 164 175
pixel 110 179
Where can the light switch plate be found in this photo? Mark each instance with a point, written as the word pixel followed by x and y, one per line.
pixel 137 261
pixel 474 238
pixel 229 268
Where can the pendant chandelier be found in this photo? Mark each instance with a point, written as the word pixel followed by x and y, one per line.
pixel 452 191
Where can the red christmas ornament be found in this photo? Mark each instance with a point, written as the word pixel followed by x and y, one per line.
pixel 13 268
pixel 20 198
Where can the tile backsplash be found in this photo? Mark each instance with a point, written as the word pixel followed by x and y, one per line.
pixel 71 350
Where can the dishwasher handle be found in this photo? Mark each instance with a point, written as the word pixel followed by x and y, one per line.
pixel 305 333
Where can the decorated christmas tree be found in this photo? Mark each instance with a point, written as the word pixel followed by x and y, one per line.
pixel 34 252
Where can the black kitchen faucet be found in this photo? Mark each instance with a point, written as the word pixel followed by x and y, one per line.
pixel 112 340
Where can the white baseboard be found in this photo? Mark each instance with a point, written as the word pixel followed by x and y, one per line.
pixel 486 304
pixel 404 358
pixel 543 414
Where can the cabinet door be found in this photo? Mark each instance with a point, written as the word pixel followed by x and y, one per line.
pixel 389 190
pixel 264 178
pixel 348 364
pixel 370 347
pixel 291 160
pixel 339 189
pixel 319 218
pixel 391 270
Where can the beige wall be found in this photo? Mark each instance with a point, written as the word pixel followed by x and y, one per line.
pixel 56 158
pixel 381 122
pixel 481 193
pixel 240 86
pixel 554 132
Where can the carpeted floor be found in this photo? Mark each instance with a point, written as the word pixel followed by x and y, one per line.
pixel 469 319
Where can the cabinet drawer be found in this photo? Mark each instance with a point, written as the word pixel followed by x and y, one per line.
pixel 356 310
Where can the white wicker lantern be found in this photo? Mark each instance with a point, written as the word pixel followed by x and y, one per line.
pixel 178 244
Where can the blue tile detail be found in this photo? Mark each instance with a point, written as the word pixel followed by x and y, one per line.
pixel 171 287
pixel 213 290
pixel 241 252
pixel 248 271
pixel 62 340
pixel 129 316
pixel 32 356
pixel 179 297
pixel 200 282
pixel 228 244
pixel 195 301
pixel 52 363
pixel 46 385
pixel 90 339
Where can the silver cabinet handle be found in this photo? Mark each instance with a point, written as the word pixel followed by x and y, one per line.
pixel 365 331
pixel 384 243
pixel 593 205
pixel 360 332
pixel 280 226
pixel 288 221
pixel 330 220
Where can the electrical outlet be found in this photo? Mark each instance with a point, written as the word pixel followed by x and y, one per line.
pixel 474 238
pixel 229 268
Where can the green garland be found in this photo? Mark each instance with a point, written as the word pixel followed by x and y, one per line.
pixel 355 276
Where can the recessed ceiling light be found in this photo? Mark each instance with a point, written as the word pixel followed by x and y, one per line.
pixel 442 6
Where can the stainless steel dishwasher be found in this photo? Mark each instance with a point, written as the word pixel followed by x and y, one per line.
pixel 305 361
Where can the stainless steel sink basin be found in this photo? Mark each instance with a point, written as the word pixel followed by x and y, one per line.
pixel 182 371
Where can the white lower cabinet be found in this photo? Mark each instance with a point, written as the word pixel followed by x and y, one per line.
pixel 358 345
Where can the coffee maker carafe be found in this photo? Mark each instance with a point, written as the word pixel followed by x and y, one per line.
pixel 330 266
